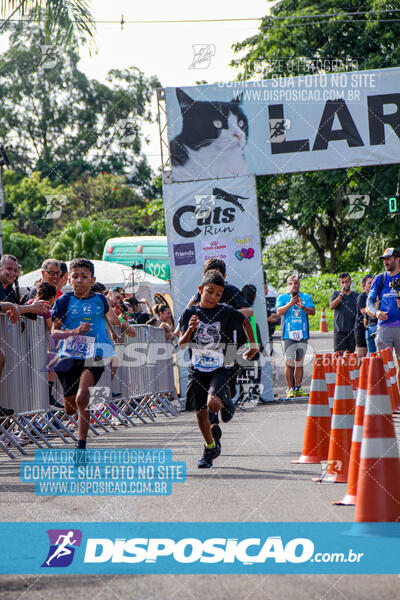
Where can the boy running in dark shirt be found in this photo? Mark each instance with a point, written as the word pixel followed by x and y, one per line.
pixel 207 328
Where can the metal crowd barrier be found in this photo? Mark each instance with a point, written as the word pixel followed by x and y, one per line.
pixel 142 388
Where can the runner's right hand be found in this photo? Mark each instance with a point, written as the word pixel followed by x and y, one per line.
pixel 83 328
pixel 193 322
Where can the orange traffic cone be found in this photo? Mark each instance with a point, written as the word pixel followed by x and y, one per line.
pixel 323 325
pixel 341 428
pixel 353 369
pixel 395 386
pixel 318 422
pixel 378 488
pixel 356 439
pixel 385 355
pixel 330 377
pixel 390 371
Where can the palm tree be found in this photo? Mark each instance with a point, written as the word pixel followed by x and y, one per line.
pixel 62 18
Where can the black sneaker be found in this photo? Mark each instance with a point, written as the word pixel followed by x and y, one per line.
pixel 227 411
pixel 5 412
pixel 216 432
pixel 55 403
pixel 206 461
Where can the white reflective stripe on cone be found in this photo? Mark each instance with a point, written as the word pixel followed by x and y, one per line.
pixel 343 392
pixel 361 397
pixel 379 448
pixel 331 401
pixel 342 421
pixel 318 385
pixel 330 377
pixel 318 410
pixel 378 405
pixel 357 433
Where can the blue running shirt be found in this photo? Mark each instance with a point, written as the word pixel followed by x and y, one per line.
pixel 294 323
pixel 73 311
pixel 388 299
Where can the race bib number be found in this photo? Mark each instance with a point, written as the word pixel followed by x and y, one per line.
pixel 207 361
pixel 78 346
pixel 296 335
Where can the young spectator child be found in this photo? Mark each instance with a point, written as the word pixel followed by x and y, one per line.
pixel 47 291
pixel 79 323
pixel 207 328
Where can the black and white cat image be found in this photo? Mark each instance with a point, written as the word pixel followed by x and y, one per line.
pixel 212 140
pixel 207 335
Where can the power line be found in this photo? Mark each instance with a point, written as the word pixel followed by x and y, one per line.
pixel 123 21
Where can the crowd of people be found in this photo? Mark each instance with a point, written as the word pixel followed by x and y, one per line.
pixel 218 327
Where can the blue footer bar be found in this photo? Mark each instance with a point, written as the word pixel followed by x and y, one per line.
pixel 250 548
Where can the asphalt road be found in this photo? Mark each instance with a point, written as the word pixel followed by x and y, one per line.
pixel 252 480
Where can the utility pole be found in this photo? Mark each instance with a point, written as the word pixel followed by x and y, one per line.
pixel 3 162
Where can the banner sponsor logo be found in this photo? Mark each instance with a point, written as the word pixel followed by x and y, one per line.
pixel 184 254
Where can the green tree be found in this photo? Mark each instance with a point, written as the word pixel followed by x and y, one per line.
pixel 32 203
pixel 316 204
pixel 64 124
pixel 286 257
pixel 63 19
pixel 84 238
pixel 30 250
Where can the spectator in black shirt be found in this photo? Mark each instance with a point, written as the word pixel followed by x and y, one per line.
pixel 360 325
pixel 343 302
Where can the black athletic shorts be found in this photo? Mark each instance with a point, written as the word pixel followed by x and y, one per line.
pixel 69 371
pixel 361 341
pixel 344 340
pixel 201 385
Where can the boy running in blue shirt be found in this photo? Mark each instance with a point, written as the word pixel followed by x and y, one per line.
pixel 208 328
pixel 79 326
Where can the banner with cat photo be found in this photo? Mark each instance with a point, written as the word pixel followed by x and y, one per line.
pixel 284 125
pixel 215 218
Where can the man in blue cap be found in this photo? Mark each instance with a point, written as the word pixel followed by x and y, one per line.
pixel 386 289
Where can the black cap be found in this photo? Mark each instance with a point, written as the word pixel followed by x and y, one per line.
pixel 390 252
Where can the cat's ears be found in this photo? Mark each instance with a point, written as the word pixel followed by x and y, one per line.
pixel 237 98
pixel 185 101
